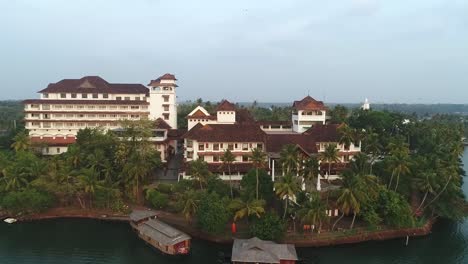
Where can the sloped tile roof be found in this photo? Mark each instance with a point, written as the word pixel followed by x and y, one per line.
pixel 276 142
pixel 225 105
pixel 308 103
pixel 94 84
pixel 226 133
pixel 324 133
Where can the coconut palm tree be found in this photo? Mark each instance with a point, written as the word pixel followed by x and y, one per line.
pixel 242 209
pixel 310 170
pixel 228 158
pixel 330 155
pixel 21 141
pixel 348 202
pixel 400 164
pixel 190 202
pixel 14 180
pixel 287 187
pixel 426 183
pixel 199 171
pixel 88 180
pixel 347 135
pixel 372 146
pixel 258 159
pixel 313 212
pixel 135 171
pixel 289 158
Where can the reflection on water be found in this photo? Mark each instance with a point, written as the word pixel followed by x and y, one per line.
pixel 73 241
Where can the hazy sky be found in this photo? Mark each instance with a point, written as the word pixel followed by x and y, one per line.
pixel 242 50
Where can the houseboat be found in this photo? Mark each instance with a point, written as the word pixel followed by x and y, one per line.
pixel 259 251
pixel 159 234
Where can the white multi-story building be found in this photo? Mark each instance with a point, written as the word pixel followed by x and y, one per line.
pixel 308 112
pixel 69 105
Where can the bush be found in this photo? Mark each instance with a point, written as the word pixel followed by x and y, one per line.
pixel 215 184
pixel 109 198
pixel 157 199
pixel 27 201
pixel 268 227
pixel 212 214
pixel 394 209
pixel 165 188
pixel 183 186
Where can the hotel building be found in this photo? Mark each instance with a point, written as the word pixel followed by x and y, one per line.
pixel 69 105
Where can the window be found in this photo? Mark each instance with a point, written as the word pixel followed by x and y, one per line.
pixel 46 116
pixel 137 98
pixel 346 147
pixel 80 106
pixel 127 98
pixel 105 96
pixel 45 107
pixel 189 143
pixel 166 98
pixel 166 107
pixel 118 98
pixel 346 158
pixel 134 107
pixel 245 158
pixel 189 155
pixel 69 106
pixel 102 116
pixel 62 95
pixel 58 115
pixel 260 146
pixel 91 116
pixel 90 106
pixel 201 158
pixel 215 158
pixel 73 95
pixel 201 147
pixel 58 150
pixel 123 116
pixel 84 95
pixel 245 146
pixel 166 116
pixel 235 146
pixel 134 116
pixel 47 150
pixel 123 107
pixel 69 115
pixel 102 107
pixel 80 115
pixel 45 95
pixel 34 106
pixel 57 107
pixel 215 146
pixel 95 96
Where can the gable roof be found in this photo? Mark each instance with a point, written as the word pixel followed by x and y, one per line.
pixel 94 84
pixel 199 111
pixel 226 133
pixel 162 232
pixel 165 77
pixel 276 142
pixel 225 105
pixel 161 124
pixel 308 103
pixel 324 133
pixel 255 250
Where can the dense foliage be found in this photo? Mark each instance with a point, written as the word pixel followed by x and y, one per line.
pixel 212 214
pixel 268 227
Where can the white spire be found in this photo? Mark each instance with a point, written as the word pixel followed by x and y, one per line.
pixel 366 105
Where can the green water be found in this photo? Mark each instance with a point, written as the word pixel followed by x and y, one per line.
pixel 74 241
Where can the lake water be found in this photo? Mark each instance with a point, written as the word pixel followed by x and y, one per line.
pixel 75 241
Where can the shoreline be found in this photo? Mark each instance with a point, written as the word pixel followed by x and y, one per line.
pixel 301 241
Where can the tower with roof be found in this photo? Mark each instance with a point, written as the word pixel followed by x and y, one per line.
pixel 307 113
pixel 162 99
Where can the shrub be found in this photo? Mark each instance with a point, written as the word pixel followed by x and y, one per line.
pixel 212 214
pixel 27 201
pixel 249 185
pixel 182 186
pixel 215 184
pixel 268 227
pixel 157 199
pixel 165 188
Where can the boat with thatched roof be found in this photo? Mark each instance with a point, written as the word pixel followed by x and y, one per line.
pixel 159 234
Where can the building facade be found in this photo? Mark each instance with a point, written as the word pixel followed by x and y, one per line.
pixel 69 105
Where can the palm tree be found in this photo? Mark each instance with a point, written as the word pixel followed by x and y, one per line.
pixel 228 158
pixel 288 158
pixel 199 171
pixel 14 180
pixel 21 141
pixel 135 171
pixel 287 187
pixel 426 183
pixel 347 135
pixel 190 202
pixel 243 209
pixel 310 170
pixel 258 159
pixel 89 182
pixel 330 155
pixel 400 163
pixel 372 146
pixel 313 212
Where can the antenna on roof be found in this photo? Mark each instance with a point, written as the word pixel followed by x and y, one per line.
pixel 308 92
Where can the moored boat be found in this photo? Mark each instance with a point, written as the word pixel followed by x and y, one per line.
pixel 10 220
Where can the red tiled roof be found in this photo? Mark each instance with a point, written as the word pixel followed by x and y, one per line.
pixel 161 124
pixel 226 133
pixel 167 76
pixel 225 105
pixel 339 166
pixel 324 133
pixel 176 133
pixel 50 141
pixel 244 116
pixel 87 102
pixel 309 103
pixel 94 84
pixel 277 123
pixel 276 142
pixel 198 114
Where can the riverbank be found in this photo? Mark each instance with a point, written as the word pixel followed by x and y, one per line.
pixel 324 239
